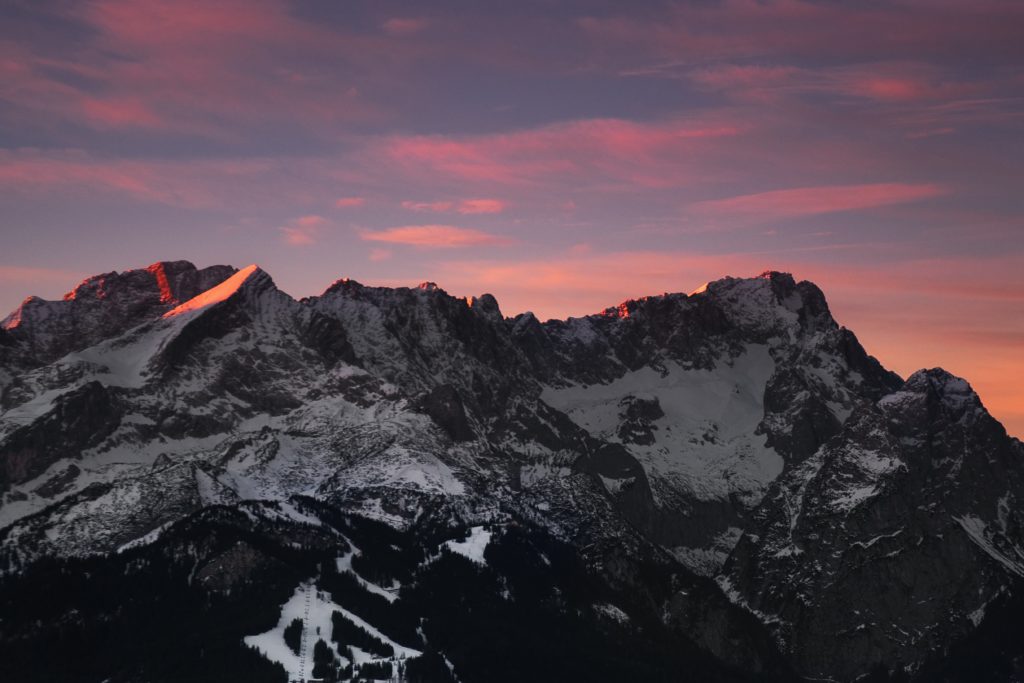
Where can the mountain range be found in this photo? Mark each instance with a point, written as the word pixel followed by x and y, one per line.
pixel 203 478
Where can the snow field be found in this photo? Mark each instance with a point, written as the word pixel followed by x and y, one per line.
pixel 706 438
pixel 473 547
pixel 314 608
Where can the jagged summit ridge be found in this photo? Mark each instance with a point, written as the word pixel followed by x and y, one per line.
pixel 768 289
pixel 954 394
pixel 170 282
pixel 103 306
pixel 738 432
pixel 175 282
pixel 506 385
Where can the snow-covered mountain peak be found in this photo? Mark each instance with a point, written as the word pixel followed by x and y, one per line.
pixel 749 298
pixel 251 278
pixel 771 302
pixel 768 288
pixel 938 393
pixel 737 429
pixel 102 307
pixel 172 281
pixel 944 383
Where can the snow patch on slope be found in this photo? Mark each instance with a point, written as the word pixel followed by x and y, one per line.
pixel 473 547
pixel 344 565
pixel 215 295
pixel 314 608
pixel 706 439
pixel 708 561
pixel 610 611
pixel 403 468
pixel 977 531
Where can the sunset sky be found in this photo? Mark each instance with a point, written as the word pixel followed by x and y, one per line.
pixel 563 156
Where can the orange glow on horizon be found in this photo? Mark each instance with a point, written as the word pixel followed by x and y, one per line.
pixel 910 318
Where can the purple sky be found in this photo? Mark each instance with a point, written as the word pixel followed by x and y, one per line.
pixel 563 156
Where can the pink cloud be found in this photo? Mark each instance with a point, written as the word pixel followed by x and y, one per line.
pixel 377 255
pixel 903 83
pixel 432 207
pixel 350 202
pixel 465 206
pixel 310 221
pixel 472 206
pixel 194 67
pixel 28 171
pixel 434 236
pixel 303 231
pixel 646 154
pixel 225 183
pixel 891 88
pixel 121 112
pixel 887 83
pixel 806 201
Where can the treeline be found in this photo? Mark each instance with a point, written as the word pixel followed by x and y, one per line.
pixel 387 617
pixel 293 635
pixel 177 611
pixel 347 633
pixel 171 611
pixel 528 616
pixel 377 671
pixel 429 668
pixel 325 664
pixel 131 625
pixel 388 555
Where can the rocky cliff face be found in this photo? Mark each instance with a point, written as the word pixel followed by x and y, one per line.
pixel 104 306
pixel 741 380
pixel 737 432
pixel 893 538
